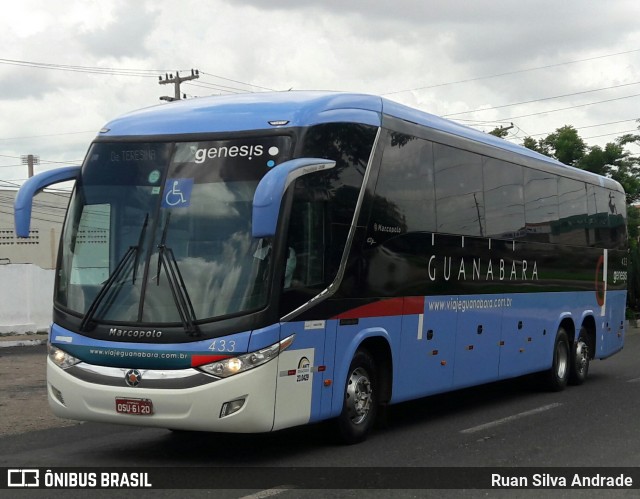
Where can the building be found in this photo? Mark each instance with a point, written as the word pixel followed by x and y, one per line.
pixel 41 247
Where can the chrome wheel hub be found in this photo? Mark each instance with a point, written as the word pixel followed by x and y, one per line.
pixel 359 396
pixel 582 356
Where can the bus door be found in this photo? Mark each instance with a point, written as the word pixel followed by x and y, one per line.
pixel 301 396
pixel 301 370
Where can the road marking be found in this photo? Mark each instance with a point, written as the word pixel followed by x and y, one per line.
pixel 634 380
pixel 508 419
pixel 269 492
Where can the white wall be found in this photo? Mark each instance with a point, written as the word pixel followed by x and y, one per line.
pixel 26 298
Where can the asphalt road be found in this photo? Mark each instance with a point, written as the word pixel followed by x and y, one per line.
pixel 502 424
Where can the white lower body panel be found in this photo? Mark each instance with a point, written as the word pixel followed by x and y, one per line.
pixel 197 408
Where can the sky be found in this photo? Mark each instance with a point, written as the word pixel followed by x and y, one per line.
pixel 67 68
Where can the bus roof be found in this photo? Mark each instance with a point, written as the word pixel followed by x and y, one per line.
pixel 270 110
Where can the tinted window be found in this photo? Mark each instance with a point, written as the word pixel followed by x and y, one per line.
pixel 541 204
pixel 458 180
pixel 323 208
pixel 349 145
pixel 606 217
pixel 504 199
pixel 617 219
pixel 572 212
pixel 404 199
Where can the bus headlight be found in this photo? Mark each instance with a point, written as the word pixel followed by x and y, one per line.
pixel 61 358
pixel 241 363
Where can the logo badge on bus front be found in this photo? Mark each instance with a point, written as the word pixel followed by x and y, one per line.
pixel 133 377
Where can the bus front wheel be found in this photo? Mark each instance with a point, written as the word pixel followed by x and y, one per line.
pixel 360 402
pixel 556 378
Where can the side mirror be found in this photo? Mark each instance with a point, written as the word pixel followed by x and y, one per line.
pixel 270 191
pixel 24 198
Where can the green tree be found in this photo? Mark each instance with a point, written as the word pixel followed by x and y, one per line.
pixel 499 132
pixel 614 160
pixel 565 145
pixel 533 144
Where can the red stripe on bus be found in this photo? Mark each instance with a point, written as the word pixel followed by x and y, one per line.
pixel 201 360
pixel 386 308
pixel 414 305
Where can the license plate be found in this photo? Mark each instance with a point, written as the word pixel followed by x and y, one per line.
pixel 135 407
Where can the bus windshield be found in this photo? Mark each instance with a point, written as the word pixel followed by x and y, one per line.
pixel 156 229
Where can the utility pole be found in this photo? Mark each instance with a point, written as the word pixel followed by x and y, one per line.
pixel 176 80
pixel 30 160
pixel 501 132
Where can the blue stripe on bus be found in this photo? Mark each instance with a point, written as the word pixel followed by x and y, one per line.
pixel 147 355
pixel 461 341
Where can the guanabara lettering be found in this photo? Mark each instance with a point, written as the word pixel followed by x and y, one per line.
pixel 477 269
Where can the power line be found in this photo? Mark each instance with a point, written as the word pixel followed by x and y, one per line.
pixel 237 81
pixel 544 99
pixel 141 73
pixel 134 72
pixel 635 130
pixel 569 107
pixel 508 73
pixel 590 126
pixel 221 88
pixel 44 160
pixel 46 135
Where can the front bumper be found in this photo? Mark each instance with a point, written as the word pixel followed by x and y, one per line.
pixel 182 400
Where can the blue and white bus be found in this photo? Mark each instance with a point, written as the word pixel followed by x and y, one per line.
pixel 254 262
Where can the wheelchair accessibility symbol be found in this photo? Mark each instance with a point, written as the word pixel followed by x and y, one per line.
pixel 177 193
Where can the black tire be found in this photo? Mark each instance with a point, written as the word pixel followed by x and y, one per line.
pixel 360 402
pixel 580 359
pixel 556 378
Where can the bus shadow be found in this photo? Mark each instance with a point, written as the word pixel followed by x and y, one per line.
pixel 315 444
pixel 443 406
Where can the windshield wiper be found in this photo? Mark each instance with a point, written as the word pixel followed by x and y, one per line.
pixel 176 284
pixel 115 276
pixel 140 239
pixel 121 271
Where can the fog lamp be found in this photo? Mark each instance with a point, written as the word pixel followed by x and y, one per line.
pixel 229 408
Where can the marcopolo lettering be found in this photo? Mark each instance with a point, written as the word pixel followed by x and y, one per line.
pixel 134 333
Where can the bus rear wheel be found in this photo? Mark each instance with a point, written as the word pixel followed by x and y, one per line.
pixel 580 359
pixel 556 378
pixel 360 403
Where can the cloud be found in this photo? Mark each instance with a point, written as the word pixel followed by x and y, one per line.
pixel 362 46
pixel 125 34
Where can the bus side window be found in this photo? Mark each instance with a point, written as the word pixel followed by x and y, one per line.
pixel 606 217
pixel 305 255
pixel 541 204
pixel 572 227
pixel 404 196
pixel 504 199
pixel 304 265
pixel 459 194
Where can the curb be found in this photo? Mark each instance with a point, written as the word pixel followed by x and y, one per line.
pixel 23 340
